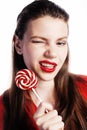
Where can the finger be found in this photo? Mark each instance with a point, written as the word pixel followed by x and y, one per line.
pixel 50 117
pixel 55 121
pixel 42 109
pixel 56 126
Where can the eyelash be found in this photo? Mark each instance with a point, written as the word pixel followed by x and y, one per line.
pixel 58 43
pixel 36 41
pixel 61 43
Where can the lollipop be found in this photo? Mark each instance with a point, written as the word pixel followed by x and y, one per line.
pixel 26 80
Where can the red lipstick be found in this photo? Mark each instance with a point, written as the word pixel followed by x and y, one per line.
pixel 47 66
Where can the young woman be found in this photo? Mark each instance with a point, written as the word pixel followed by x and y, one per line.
pixel 40 43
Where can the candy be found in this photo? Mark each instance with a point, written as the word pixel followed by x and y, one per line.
pixel 26 79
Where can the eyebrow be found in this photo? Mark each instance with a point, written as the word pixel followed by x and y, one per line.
pixel 65 37
pixel 61 38
pixel 38 37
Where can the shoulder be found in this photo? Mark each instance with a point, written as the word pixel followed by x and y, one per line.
pixel 1 112
pixel 81 83
pixel 3 104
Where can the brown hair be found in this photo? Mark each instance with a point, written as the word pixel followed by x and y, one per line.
pixel 70 104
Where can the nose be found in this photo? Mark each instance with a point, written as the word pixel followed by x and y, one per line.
pixel 51 51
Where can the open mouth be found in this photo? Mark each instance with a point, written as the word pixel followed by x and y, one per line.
pixel 48 66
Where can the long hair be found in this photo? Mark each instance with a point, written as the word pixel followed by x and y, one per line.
pixel 70 104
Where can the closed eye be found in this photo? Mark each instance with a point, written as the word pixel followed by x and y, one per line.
pixel 37 41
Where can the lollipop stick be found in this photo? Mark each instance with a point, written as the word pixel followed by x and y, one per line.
pixel 46 111
pixel 37 95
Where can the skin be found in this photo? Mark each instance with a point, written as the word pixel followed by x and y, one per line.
pixel 45 39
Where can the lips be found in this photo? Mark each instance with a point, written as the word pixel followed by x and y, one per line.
pixel 47 66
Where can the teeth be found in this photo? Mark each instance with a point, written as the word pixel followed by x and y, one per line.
pixel 47 65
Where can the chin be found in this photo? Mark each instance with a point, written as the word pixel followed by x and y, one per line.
pixel 47 77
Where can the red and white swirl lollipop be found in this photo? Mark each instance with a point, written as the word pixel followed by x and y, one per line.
pixel 26 80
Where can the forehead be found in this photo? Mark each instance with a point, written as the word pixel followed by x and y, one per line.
pixel 47 24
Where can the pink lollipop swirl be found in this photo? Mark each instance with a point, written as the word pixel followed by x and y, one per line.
pixel 26 79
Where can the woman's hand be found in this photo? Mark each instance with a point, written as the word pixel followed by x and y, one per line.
pixel 48 120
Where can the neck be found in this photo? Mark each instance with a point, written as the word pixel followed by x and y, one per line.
pixel 46 91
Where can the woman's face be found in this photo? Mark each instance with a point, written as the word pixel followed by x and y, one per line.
pixel 44 46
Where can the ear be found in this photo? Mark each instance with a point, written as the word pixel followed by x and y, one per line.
pixel 18 44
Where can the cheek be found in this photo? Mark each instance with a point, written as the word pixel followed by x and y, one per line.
pixel 27 55
pixel 30 55
pixel 63 54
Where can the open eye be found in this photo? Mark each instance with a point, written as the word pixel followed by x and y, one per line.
pixel 61 43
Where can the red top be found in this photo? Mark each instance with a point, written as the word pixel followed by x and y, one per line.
pixel 82 86
pixel 1 113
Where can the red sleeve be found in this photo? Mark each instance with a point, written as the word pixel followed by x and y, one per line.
pixel 82 86
pixel 1 113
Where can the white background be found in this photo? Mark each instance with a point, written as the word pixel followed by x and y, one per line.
pixel 77 39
